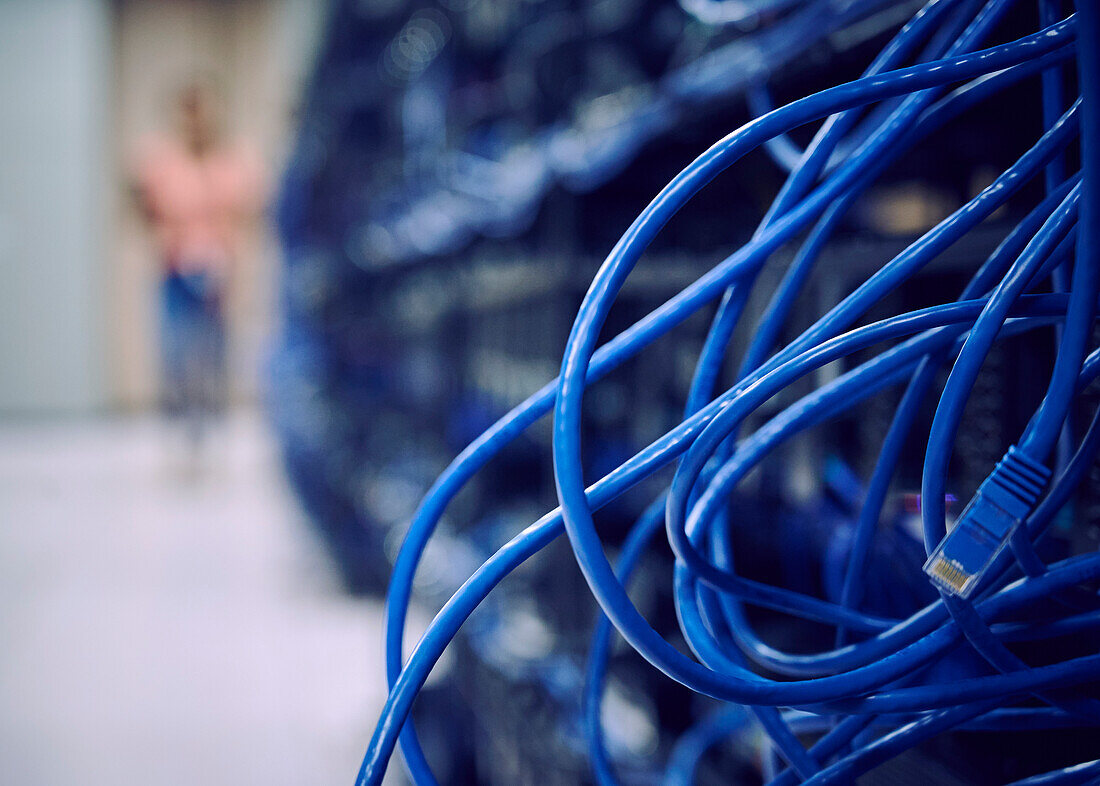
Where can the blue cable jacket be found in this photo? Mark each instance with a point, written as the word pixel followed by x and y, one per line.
pixel 880 681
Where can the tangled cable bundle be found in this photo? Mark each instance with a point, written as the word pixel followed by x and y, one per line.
pixel 875 694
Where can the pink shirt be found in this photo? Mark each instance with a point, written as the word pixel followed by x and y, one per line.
pixel 198 206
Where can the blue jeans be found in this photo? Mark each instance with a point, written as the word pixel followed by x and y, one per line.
pixel 192 345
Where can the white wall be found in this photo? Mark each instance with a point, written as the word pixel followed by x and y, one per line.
pixel 54 74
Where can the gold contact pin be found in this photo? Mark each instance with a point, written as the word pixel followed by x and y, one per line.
pixel 948 575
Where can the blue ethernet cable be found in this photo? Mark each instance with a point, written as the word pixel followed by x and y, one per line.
pixel 611 276
pixel 811 163
pixel 1042 432
pixel 680 765
pixel 996 514
pixel 956 391
pixel 858 678
pixel 853 656
pixel 453 614
pixel 783 151
pixel 959 556
pixel 872 338
pixel 1010 248
pixel 801 268
pixel 694 743
pixel 1057 38
pixel 965 371
pixel 889 745
pixel 884 280
pixel 846 390
pixel 919 385
pixel 817 155
pixel 842 658
pixel 537 536
pixel 704 451
pixel 729 603
pixel 1087 620
pixel 546 529
pixel 634 546
pixel 1053 99
pixel 726 316
pixel 1078 775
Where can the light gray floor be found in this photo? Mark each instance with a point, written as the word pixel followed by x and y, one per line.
pixel 160 630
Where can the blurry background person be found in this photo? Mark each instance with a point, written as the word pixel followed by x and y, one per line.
pixel 199 194
pixel 153 630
